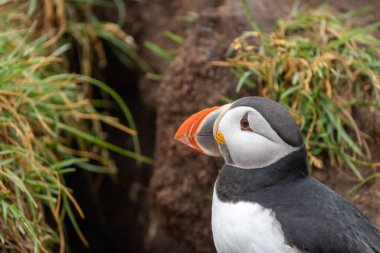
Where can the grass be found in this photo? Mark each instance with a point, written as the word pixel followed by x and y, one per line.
pixel 320 64
pixel 159 51
pixel 48 124
pixel 74 23
pixel 167 55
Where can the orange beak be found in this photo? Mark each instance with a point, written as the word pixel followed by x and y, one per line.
pixel 197 131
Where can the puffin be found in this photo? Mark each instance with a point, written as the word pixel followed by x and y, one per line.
pixel 264 200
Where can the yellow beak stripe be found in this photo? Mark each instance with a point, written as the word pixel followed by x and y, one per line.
pixel 220 138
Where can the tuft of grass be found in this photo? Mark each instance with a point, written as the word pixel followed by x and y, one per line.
pixel 161 52
pixel 48 125
pixel 168 56
pixel 74 23
pixel 189 18
pixel 174 37
pixel 320 64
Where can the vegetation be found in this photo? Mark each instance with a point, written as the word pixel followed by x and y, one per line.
pixel 48 123
pixel 320 64
pixel 164 54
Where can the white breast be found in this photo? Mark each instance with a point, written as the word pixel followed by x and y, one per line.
pixel 245 227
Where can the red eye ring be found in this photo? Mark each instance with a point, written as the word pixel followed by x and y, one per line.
pixel 244 123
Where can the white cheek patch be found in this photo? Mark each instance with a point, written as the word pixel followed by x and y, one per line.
pixel 256 149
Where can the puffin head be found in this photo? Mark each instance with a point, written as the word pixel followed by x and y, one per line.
pixel 252 132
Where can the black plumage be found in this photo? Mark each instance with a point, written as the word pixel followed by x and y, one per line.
pixel 314 218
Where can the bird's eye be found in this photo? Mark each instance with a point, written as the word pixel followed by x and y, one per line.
pixel 244 123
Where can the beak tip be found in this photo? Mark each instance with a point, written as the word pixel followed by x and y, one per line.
pixel 179 134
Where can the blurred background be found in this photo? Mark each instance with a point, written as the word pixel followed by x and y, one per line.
pixel 92 92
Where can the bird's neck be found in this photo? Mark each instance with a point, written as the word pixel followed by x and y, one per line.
pixel 234 184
